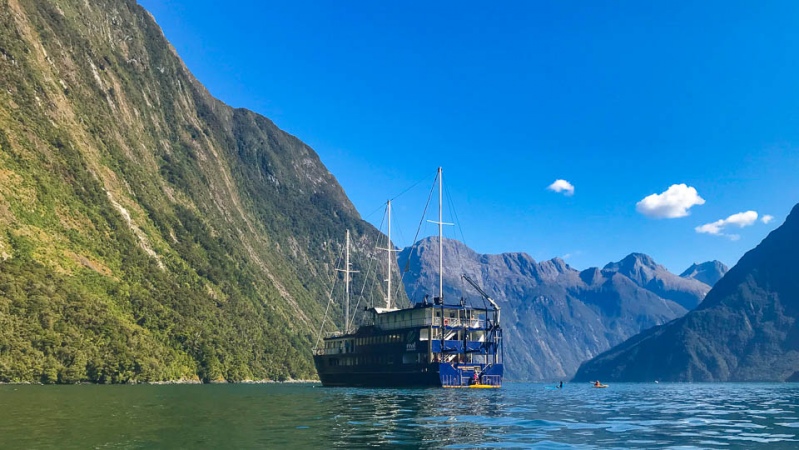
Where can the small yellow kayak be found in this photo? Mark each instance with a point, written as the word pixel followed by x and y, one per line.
pixel 474 386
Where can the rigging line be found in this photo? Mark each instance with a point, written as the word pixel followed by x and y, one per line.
pixel 418 230
pixel 408 189
pixel 400 286
pixel 393 198
pixel 360 297
pixel 455 214
pixel 460 229
pixel 363 287
pixel 367 278
pixel 373 212
pixel 329 302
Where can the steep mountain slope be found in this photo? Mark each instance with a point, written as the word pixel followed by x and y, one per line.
pixel 554 316
pixel 646 273
pixel 746 329
pixel 709 272
pixel 148 231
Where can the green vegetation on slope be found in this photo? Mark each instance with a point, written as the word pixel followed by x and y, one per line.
pixel 149 232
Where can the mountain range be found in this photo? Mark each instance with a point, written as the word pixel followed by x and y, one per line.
pixel 746 329
pixel 554 316
pixel 149 232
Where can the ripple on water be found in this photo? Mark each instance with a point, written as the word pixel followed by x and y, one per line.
pixel 293 416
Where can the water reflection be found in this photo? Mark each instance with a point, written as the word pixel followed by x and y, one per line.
pixel 309 416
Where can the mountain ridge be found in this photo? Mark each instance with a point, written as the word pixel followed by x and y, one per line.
pixel 745 329
pixel 709 272
pixel 554 316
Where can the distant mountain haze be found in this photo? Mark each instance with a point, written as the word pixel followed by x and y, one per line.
pixel 708 272
pixel 746 329
pixel 642 270
pixel 554 317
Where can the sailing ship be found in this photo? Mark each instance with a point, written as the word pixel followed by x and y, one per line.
pixel 429 344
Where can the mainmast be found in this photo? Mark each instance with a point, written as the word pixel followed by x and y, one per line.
pixel 347 287
pixel 440 238
pixel 440 235
pixel 388 252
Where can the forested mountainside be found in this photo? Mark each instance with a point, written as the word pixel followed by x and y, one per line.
pixel 746 329
pixel 554 317
pixel 148 231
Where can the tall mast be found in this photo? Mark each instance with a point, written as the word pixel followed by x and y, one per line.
pixel 389 258
pixel 388 261
pixel 347 287
pixel 347 273
pixel 440 235
pixel 440 239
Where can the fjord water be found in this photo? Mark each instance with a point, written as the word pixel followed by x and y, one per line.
pixel 521 415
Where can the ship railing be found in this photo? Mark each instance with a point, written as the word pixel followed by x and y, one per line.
pixel 434 321
pixel 456 322
pixel 491 380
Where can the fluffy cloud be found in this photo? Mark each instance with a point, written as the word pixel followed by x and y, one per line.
pixel 742 219
pixel 674 202
pixel 766 218
pixel 562 186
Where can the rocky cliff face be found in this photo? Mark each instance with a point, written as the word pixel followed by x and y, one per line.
pixel 708 272
pixel 745 329
pixel 644 272
pixel 554 316
pixel 147 230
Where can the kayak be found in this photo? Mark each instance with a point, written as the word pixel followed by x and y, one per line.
pixel 600 386
pixel 482 386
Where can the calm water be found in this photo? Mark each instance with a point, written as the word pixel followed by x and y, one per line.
pixel 520 415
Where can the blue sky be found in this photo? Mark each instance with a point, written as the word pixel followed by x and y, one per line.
pixel 622 100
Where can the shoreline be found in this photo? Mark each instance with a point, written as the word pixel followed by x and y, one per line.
pixel 160 383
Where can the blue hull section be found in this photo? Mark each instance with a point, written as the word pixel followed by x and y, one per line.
pixel 431 375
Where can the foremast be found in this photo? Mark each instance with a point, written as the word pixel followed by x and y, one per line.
pixel 347 271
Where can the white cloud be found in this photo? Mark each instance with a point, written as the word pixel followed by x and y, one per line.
pixel 674 202
pixel 562 186
pixel 766 218
pixel 741 219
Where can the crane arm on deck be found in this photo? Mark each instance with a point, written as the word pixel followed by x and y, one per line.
pixel 482 292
